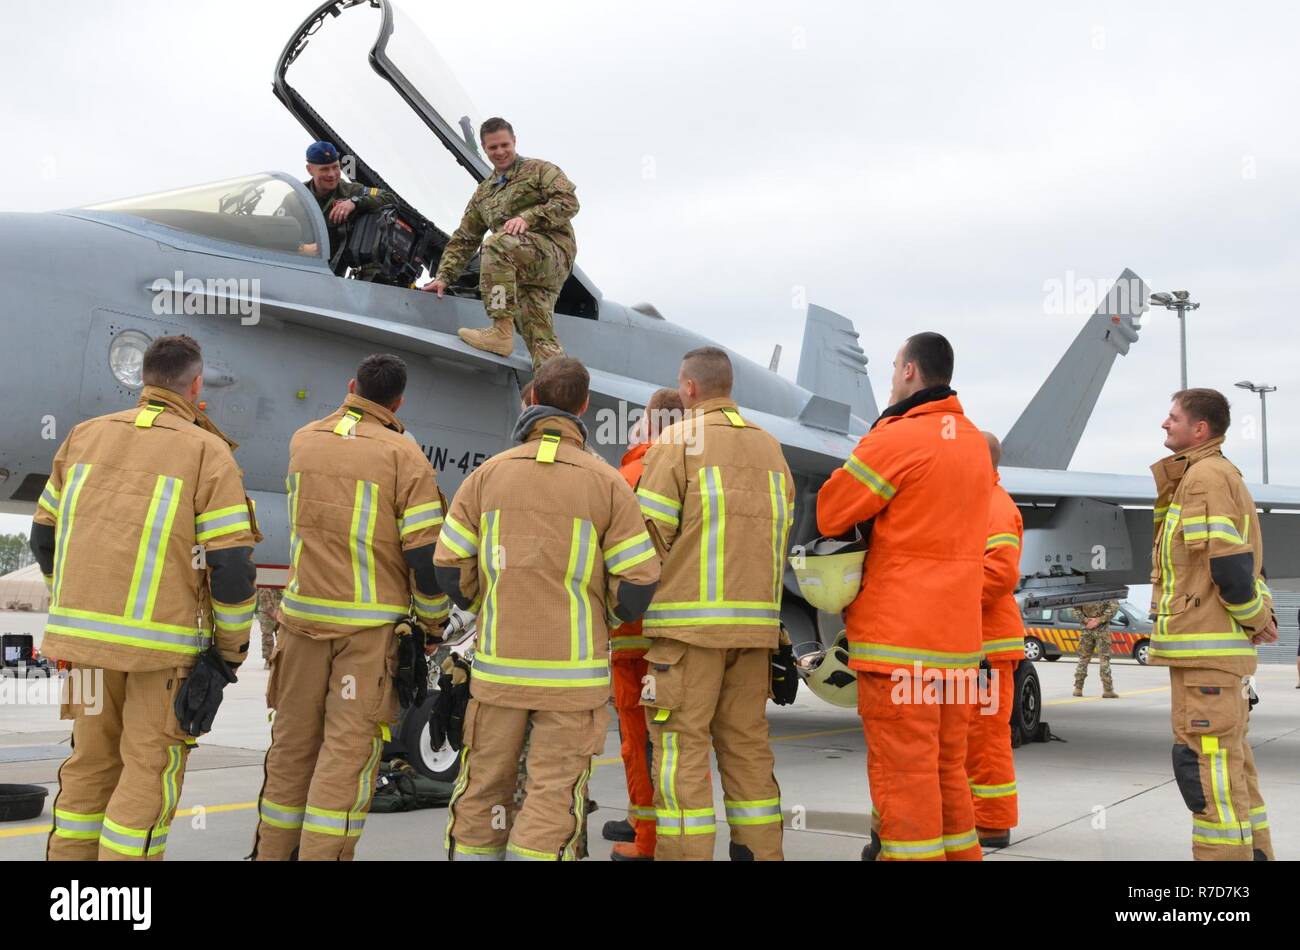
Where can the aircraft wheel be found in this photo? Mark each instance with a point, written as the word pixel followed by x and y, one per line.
pixel 442 765
pixel 1027 705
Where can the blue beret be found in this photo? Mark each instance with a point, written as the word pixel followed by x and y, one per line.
pixel 322 153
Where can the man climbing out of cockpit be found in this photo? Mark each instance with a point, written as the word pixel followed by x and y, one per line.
pixel 527 204
pixel 339 200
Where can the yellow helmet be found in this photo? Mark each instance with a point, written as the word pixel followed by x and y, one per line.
pixel 829 571
pixel 827 674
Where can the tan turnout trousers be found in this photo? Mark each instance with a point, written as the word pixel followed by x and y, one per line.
pixel 554 812
pixel 119 788
pixel 696 694
pixel 1214 765
pixel 333 699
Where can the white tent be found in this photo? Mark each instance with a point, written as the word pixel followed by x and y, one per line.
pixel 24 589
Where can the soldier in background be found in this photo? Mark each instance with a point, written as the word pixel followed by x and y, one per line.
pixel 268 620
pixel 1095 638
pixel 527 204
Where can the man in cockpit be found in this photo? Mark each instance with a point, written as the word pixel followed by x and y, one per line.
pixel 339 200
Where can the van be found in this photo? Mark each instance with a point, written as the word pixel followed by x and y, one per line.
pixel 1051 632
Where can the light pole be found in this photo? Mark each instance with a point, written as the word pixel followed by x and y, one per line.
pixel 1179 302
pixel 1263 389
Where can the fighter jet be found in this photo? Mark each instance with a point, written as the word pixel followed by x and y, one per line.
pixel 89 288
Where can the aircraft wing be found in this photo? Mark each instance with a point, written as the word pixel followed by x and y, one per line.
pixel 1040 484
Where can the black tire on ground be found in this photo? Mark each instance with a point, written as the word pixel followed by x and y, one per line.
pixel 1026 706
pixel 1051 657
pixel 411 743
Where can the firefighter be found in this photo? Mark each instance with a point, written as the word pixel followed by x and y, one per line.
pixel 1211 609
pixel 627 646
pixel 541 541
pixel 718 499
pixel 924 474
pixel 364 512
pixel 990 767
pixel 148 535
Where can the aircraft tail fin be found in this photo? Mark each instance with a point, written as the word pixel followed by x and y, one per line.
pixel 832 365
pixel 1048 432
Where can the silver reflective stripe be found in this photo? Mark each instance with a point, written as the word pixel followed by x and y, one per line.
pixel 234 620
pixel 136 844
pixel 274 812
pixel 1258 819
pixel 612 562
pixel 226 521
pixel 451 532
pixel 295 540
pixel 473 856
pixel 67 500
pixel 376 613
pixel 780 530
pixel 902 653
pixel 62 619
pixel 708 613
pixel 699 821
pixel 762 811
pixel 156 539
pixel 328 821
pixel 68 824
pixel 659 506
pixel 1165 645
pixel 920 847
pixel 960 842
pixel 711 551
pixel 1233 835
pixel 486 557
pixel 578 585
pixel 482 665
pixel 365 594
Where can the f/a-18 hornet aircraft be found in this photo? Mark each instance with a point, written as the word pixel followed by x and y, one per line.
pixel 293 330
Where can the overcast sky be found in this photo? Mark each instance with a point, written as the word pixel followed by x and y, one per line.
pixel 912 166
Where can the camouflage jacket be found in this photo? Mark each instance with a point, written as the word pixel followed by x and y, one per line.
pixel 1104 611
pixel 531 189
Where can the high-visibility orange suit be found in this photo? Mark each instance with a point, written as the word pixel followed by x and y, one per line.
pixel 924 473
pixel 990 767
pixel 627 646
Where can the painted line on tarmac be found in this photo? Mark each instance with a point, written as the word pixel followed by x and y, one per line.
pixel 1095 699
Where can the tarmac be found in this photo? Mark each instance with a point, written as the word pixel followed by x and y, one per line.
pixel 1104 792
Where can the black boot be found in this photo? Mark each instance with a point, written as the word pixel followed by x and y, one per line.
pixel 872 851
pixel 738 852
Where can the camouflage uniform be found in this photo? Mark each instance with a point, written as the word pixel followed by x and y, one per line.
pixel 1097 641
pixel 268 606
pixel 520 276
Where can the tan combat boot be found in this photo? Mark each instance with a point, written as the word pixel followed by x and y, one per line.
pixel 1110 694
pixel 498 338
pixel 1078 690
pixel 544 352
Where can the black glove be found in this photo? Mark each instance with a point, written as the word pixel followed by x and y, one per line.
pixel 412 667
pixel 785 680
pixel 199 697
pixel 447 722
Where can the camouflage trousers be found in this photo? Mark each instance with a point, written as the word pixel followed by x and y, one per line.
pixel 268 608
pixel 1094 641
pixel 520 277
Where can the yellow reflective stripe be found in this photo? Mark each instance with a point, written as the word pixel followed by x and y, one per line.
pixel 340 612
pixel 348 423
pixel 660 507
pixel 361 533
pixel 547 448
pixel 993 791
pixel 877 483
pixel 475 851
pixel 150 556
pixel 234 617
pixel 961 842
pixel 462 541
pixel 579 809
pixel 528 854
pixel 146 417
pixel 276 815
pixel 713 506
pixel 421 517
pixel 1220 780
pixel 431 608
pixel 893 654
pixel 1006 645
pixel 49 499
pixel 79 826
pixel 911 850
pixel 1200 527
pixel 619 644
pixel 67 512
pixel 1168 577
pixel 734 418
pixel 782 519
pixel 171 791
pixel 628 554
pixel 221 522
pixel 1233 643
pixel 563 674
pixel 128 631
pixel 366 781
pixel 577 581
pixel 490 526
pixel 1158 514
pixel 1002 541
pixel 668 770
pixel 292 484
pixel 457 790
